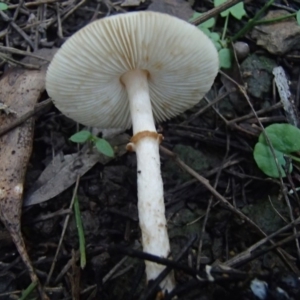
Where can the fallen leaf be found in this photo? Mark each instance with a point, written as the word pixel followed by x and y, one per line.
pixel 278 37
pixel 178 8
pixel 62 172
pixel 20 89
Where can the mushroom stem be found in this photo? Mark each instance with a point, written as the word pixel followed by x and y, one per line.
pixel 151 205
pixel 136 82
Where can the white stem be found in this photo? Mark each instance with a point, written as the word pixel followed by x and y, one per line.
pixel 151 205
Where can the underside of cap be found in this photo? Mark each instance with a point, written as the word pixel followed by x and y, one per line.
pixel 84 82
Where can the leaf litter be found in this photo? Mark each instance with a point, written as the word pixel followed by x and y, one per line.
pixel 226 125
pixel 63 171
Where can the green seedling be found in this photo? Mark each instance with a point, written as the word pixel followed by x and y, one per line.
pixel 285 140
pixel 3 6
pixel 221 43
pixel 237 11
pixel 80 233
pixel 101 145
pixel 252 22
pixel 225 55
pixel 26 293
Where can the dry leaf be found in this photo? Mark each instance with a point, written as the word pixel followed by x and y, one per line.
pixel 62 172
pixel 278 37
pixel 20 89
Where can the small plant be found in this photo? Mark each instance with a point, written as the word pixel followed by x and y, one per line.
pixel 3 6
pixel 237 11
pixel 101 145
pixel 285 139
pixel 298 17
pixel 81 236
pixel 221 43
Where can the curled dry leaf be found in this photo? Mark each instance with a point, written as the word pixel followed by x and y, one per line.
pixel 19 90
pixel 278 37
pixel 62 172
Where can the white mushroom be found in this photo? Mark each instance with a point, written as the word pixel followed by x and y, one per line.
pixel 135 69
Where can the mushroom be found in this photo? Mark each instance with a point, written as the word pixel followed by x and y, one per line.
pixel 131 70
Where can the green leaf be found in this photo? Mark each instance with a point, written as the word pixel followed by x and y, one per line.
pixel 266 162
pixel 207 24
pixel 225 12
pixel 217 45
pixel 225 58
pixel 285 139
pixel 80 233
pixel 236 11
pixel 205 31
pixel 104 147
pixel 26 293
pixel 3 6
pixel 194 16
pixel 81 137
pixel 298 17
pixel 214 36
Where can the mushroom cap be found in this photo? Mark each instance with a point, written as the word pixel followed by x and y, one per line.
pixel 83 78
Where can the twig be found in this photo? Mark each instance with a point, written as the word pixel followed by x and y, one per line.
pixel 247 255
pixel 276 211
pixel 216 111
pixel 283 188
pixel 43 218
pixel 20 63
pixel 35 30
pixel 146 256
pixel 210 104
pixel 66 267
pixel 215 11
pixel 22 52
pixel 16 13
pixel 210 202
pixel 228 205
pixel 72 10
pixel 287 8
pixel 114 269
pixel 17 28
pixel 63 232
pixel 59 27
pixel 259 112
pixel 155 284
pixel 29 4
pixel 206 183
